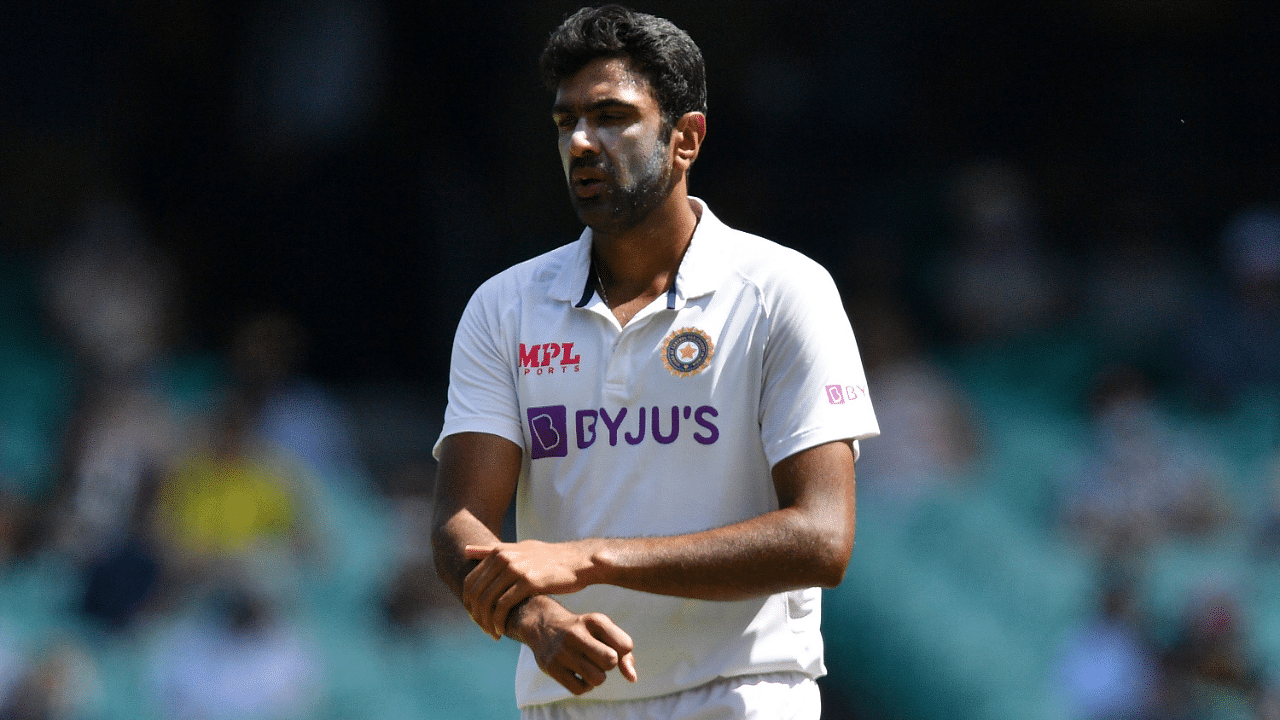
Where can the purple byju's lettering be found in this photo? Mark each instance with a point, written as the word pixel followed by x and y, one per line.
pixel 548 432
pixel 549 428
pixel 586 432
pixel 613 423
pixel 658 435
pixel 700 417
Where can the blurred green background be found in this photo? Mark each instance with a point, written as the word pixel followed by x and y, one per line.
pixel 235 238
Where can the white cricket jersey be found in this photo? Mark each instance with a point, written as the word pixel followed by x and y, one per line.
pixel 668 425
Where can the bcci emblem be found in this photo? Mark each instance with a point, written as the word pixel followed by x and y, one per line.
pixel 687 352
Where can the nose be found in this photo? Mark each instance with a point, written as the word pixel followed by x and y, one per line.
pixel 582 140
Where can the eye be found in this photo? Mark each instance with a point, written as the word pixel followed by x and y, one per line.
pixel 564 122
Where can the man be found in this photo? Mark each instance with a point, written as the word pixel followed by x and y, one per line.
pixel 673 406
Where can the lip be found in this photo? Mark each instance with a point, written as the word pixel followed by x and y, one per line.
pixel 587 182
pixel 588 189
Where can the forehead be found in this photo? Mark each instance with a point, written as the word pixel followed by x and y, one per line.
pixel 605 79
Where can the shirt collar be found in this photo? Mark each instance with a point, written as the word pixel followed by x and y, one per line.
pixel 701 271
pixel 706 262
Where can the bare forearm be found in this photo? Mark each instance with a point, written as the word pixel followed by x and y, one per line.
pixel 448 541
pixel 806 543
pixel 475 481
pixel 779 551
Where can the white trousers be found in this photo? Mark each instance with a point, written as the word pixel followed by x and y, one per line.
pixel 772 696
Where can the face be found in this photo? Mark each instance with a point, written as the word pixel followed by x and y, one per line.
pixel 614 148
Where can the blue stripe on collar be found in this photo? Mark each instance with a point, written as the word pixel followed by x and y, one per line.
pixel 588 289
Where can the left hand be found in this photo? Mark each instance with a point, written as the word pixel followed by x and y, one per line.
pixel 509 573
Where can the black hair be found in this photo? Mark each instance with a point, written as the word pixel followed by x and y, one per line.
pixel 662 52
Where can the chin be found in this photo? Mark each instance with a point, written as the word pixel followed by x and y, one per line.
pixel 594 212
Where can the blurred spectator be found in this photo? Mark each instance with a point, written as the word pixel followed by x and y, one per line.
pixel 14 521
pixel 120 584
pixel 1232 345
pixel 1141 289
pixel 121 440
pixel 1267 538
pixel 111 297
pixel 1212 675
pixel 930 430
pixel 290 411
pixel 1108 669
pixel 1139 481
pixel 62 684
pixel 111 294
pixel 12 664
pixel 415 599
pixel 999 279
pixel 233 500
pixel 241 659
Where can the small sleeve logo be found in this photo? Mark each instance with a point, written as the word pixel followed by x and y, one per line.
pixel 841 394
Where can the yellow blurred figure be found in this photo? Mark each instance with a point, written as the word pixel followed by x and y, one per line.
pixel 228 505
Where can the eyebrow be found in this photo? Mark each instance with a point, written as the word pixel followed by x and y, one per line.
pixel 563 108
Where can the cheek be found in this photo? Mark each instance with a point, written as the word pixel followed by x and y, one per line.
pixel 634 155
pixel 565 158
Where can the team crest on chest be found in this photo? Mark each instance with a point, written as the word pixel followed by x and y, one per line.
pixel 687 352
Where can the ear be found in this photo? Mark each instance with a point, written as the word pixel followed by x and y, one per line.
pixel 686 138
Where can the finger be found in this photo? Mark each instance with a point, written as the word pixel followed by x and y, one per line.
pixel 473 586
pixel 616 639
pixel 607 632
pixel 572 683
pixel 478 552
pixel 487 602
pixel 480 590
pixel 479 577
pixel 575 671
pixel 586 669
pixel 514 595
pixel 627 666
pixel 569 679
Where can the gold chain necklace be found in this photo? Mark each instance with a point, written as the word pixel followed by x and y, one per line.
pixel 600 285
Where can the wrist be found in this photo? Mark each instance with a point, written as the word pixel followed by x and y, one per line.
pixel 597 562
pixel 528 615
pixel 605 561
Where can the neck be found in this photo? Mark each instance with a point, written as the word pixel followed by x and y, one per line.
pixel 641 262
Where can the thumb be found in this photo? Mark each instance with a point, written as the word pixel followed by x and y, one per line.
pixel 627 666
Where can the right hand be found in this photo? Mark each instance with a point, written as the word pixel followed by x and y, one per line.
pixel 577 651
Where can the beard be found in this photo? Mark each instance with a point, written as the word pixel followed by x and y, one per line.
pixel 619 208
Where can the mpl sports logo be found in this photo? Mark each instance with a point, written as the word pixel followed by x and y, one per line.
pixel 549 431
pixel 548 358
pixel 841 394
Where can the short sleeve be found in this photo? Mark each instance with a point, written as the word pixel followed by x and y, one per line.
pixel 482 396
pixel 814 387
